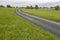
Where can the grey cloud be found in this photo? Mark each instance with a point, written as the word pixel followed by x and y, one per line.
pixel 28 3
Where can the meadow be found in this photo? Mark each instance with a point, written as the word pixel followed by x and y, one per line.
pixel 44 13
pixel 14 27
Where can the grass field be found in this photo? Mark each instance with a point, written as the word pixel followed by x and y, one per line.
pixel 13 27
pixel 48 14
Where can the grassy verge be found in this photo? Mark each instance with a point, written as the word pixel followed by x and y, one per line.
pixel 48 14
pixel 13 27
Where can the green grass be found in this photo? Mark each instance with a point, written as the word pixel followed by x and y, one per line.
pixel 13 27
pixel 48 14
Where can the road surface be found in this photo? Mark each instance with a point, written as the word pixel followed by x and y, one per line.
pixel 48 25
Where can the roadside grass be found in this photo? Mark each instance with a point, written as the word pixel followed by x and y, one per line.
pixel 44 13
pixel 13 27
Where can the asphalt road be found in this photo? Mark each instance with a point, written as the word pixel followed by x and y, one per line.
pixel 48 25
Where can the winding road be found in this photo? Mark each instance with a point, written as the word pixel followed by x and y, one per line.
pixel 48 25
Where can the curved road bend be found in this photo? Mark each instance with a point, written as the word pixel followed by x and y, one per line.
pixel 51 26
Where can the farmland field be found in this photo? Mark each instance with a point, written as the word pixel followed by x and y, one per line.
pixel 44 13
pixel 13 27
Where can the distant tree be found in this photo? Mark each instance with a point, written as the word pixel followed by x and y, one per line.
pixel 1 6
pixel 57 7
pixel 40 7
pixel 8 6
pixel 17 7
pixel 36 7
pixel 51 7
pixel 27 7
pixel 31 7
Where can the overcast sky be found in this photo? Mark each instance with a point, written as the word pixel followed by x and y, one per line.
pixel 25 2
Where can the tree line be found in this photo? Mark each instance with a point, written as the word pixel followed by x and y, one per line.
pixel 57 7
pixel 8 6
pixel 31 7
